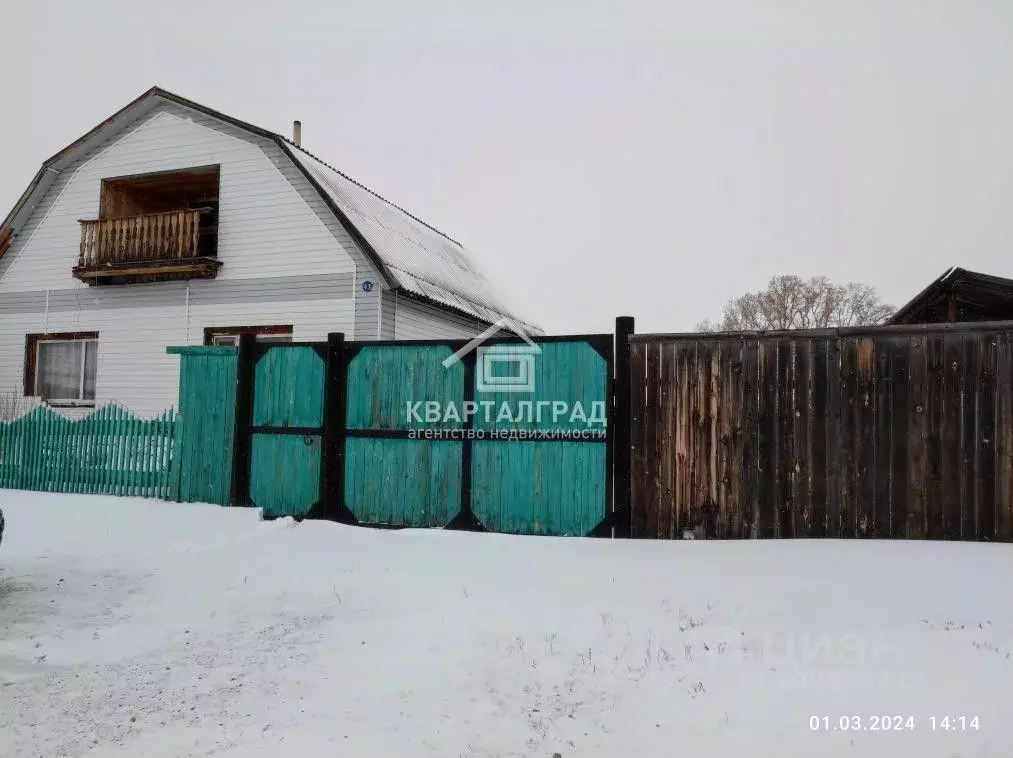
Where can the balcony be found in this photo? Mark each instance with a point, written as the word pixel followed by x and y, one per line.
pixel 180 244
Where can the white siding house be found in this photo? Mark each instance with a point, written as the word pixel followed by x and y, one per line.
pixel 296 246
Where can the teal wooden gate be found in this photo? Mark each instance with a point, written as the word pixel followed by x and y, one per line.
pixel 286 428
pixel 207 417
pixel 511 437
pixel 392 473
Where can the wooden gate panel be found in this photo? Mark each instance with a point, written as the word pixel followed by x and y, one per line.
pixel 403 482
pixel 207 415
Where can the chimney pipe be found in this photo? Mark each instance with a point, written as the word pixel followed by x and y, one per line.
pixel 297 133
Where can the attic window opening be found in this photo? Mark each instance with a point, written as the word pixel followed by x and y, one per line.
pixel 192 189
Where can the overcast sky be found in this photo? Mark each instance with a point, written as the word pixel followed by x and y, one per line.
pixel 600 159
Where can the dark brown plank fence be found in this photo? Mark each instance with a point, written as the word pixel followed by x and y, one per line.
pixel 889 432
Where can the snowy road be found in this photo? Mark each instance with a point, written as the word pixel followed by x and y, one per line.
pixel 141 628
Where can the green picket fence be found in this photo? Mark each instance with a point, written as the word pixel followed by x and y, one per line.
pixel 110 451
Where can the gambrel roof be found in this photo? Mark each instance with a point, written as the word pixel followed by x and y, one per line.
pixel 409 254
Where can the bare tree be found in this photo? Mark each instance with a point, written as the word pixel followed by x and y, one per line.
pixel 790 302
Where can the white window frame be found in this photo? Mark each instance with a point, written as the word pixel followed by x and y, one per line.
pixel 80 401
pixel 222 339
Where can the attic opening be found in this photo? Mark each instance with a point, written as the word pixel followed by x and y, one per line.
pixel 153 227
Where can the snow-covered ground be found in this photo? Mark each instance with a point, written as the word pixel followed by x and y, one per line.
pixel 144 628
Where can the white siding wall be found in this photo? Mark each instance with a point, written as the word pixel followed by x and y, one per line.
pixel 134 330
pixel 415 321
pixel 286 260
pixel 266 228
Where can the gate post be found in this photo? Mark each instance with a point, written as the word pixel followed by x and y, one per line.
pixel 332 467
pixel 243 439
pixel 622 475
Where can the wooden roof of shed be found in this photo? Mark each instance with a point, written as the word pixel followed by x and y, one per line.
pixel 959 295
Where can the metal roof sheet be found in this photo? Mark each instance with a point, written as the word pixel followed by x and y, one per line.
pixel 420 258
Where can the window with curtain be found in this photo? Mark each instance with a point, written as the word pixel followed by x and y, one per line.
pixel 65 369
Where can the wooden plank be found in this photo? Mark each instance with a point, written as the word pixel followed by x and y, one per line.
pixel 709 512
pixel 721 411
pixel 688 421
pixel 651 443
pixel 712 424
pixel 199 267
pixel 934 457
pixel 819 420
pixel 154 456
pixel 732 425
pixel 751 394
pixel 160 464
pixel 662 503
pixel 704 431
pixel 882 440
pixel 951 437
pixel 900 410
pixel 767 440
pixel 1004 440
pixel 676 367
pixel 985 423
pixel 849 458
pixel 638 424
pixel 864 438
pixel 685 368
pixel 784 427
pixel 918 437
pixel 668 425
pixel 833 439
pixel 697 389
pixel 168 456
pixel 149 465
pixel 968 496
pixel 172 486
pixel 110 449
pixel 802 464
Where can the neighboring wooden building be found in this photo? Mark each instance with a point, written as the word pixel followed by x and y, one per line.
pixel 959 295
pixel 171 223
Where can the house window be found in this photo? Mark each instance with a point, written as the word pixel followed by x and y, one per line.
pixel 229 335
pixel 61 368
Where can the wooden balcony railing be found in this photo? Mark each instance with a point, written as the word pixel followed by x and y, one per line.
pixel 152 244
pixel 151 237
